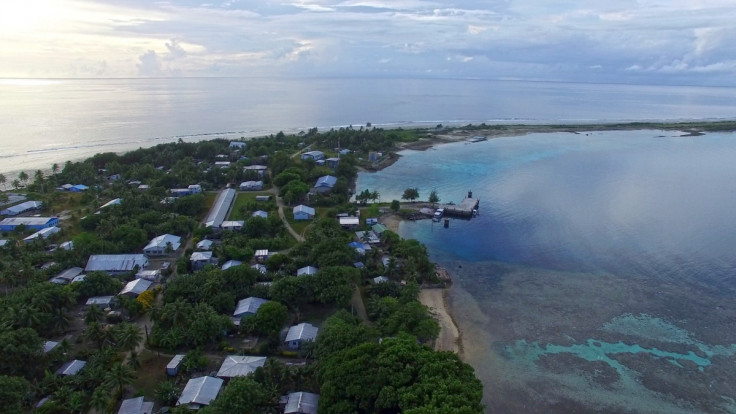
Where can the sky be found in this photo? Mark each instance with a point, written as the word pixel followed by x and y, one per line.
pixel 684 42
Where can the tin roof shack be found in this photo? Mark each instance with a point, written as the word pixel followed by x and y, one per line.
pixel 298 334
pixel 349 223
pixel 67 276
pixel 135 287
pixel 200 392
pixel 116 264
pixel 251 186
pixel 102 301
pixel 307 271
pixel 172 368
pixel 325 184
pixel 42 234
pixel 151 275
pixel 301 403
pixel 240 366
pixel 302 212
pixel 313 155
pixel 136 406
pixel 247 306
pixel 199 260
pixel 71 368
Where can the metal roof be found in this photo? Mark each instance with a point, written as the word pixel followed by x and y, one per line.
pixel 112 203
pixel 71 367
pixel 204 244
pixel 28 221
pixel 248 305
pixel 220 208
pixel 326 181
pixel 48 346
pixel 100 300
pixel 163 240
pixel 20 208
pixel 44 233
pixel 231 263
pixel 303 208
pixel 380 279
pixel 301 403
pixel 136 287
pixel 135 406
pixel 307 270
pixel 200 391
pixel 302 332
pixel 115 262
pixel 260 213
pixel 175 361
pixel 69 274
pixel 200 256
pixel 239 365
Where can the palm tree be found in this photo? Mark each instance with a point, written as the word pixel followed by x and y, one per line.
pixel 93 314
pixel 3 180
pixel 95 333
pixel 23 177
pixel 100 399
pixel 61 319
pixel 134 362
pixel 119 376
pixel 55 168
pixel 129 337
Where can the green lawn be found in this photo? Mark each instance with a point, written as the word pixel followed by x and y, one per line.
pixel 244 198
pixel 300 225
pixel 151 373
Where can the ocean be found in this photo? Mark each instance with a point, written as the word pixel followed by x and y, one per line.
pixel 599 274
pixel 47 121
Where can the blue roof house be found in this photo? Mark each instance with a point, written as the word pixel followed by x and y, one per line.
pixel 302 212
pixel 325 183
pixel 35 223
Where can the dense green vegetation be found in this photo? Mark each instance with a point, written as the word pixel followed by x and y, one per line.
pixel 190 312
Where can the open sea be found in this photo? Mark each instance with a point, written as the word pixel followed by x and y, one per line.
pixel 600 273
pixel 46 121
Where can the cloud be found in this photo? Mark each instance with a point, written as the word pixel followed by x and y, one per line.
pixel 596 40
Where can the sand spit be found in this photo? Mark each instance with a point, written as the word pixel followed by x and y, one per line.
pixel 450 337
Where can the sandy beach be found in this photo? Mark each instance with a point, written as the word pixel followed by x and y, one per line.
pixel 450 338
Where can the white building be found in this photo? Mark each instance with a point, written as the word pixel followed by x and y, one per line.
pixel 114 264
pixel 135 288
pixel 200 392
pixel 162 245
pixel 240 365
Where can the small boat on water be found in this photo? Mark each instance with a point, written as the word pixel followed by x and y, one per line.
pixel 438 214
pixel 478 138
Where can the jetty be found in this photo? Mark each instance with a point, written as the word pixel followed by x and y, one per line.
pixel 467 208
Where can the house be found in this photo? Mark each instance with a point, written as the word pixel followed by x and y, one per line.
pixel 307 271
pixel 374 156
pixel 113 177
pixel 332 162
pixel 345 151
pixel 349 222
pixel 313 155
pixel 240 365
pixel 191 189
pixel 199 260
pixel 367 237
pixel 321 163
pixel 151 275
pixel 371 221
pixel 251 186
pixel 260 268
pixel 3 242
pixel 67 245
pixel 358 265
pixel 71 368
pixel 78 188
pixel 200 392
pixel 238 145
pixel 379 229
pixel 259 169
pixel 300 333
pixel 232 225
pixel 380 279
pixel 136 406
pixel 359 248
pixel 260 213
pixel 301 403
pixel 263 198
pixel 113 202
pixel 248 306
pixel 101 301
pixel 261 254
pixel 22 208
pixel 162 245
pixel 204 244
pixel 143 187
pixel 115 264
pixel 172 368
pixel 135 287
pixel 42 234
pixel 79 278
pixel 302 212
pixel 219 210
pixel 34 223
pixel 325 183
pixel 222 164
pixel 67 276
pixel 231 263
pixel 49 346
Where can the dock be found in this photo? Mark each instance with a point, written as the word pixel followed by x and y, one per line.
pixel 464 209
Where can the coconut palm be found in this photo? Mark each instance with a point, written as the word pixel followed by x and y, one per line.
pixel 119 376
pixel 128 336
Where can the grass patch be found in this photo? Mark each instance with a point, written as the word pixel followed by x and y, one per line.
pixel 245 198
pixel 151 373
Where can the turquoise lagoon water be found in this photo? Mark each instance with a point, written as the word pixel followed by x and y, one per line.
pixel 613 248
